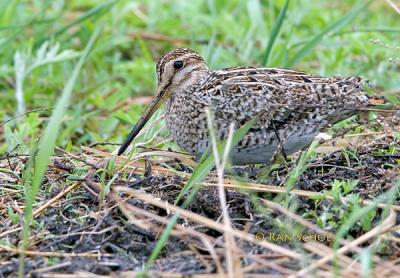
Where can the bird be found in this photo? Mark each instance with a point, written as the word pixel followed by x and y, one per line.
pixel 290 108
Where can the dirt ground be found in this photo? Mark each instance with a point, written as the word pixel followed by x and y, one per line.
pixel 110 243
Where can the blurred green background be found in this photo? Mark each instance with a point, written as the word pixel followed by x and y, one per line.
pixel 40 42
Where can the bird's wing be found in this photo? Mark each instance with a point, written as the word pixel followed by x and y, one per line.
pixel 284 96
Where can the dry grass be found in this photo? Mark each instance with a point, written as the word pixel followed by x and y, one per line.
pixel 138 210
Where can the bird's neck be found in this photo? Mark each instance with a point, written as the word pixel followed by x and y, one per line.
pixel 190 80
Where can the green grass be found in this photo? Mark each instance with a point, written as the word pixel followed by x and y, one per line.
pixel 39 160
pixel 40 42
pixel 226 33
pixel 193 185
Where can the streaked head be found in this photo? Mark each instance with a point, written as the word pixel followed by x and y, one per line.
pixel 176 70
pixel 180 68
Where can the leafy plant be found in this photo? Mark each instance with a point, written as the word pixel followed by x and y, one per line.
pixel 39 160
pixel 341 188
pixel 344 205
pixel 25 63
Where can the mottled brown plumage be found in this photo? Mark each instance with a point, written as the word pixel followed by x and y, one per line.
pixel 291 107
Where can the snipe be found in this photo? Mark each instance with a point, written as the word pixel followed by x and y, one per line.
pixel 291 107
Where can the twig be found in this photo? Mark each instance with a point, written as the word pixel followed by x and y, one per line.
pixel 206 221
pixel 52 267
pixel 303 193
pixel 313 227
pixel 39 210
pixel 52 254
pixel 127 210
pixel 27 112
pixel 10 232
pixel 232 261
pixel 394 6
pixel 383 227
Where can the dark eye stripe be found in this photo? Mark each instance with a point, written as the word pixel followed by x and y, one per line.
pixel 184 53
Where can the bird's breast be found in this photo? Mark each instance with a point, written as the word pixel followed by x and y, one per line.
pixel 187 122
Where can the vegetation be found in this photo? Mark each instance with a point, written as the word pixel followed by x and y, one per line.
pixel 76 75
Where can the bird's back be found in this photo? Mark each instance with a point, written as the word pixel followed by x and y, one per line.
pixel 291 108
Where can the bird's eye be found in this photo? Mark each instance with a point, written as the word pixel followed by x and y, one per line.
pixel 178 64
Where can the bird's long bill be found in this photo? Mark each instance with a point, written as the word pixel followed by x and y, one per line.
pixel 155 103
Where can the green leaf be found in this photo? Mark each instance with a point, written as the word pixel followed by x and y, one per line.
pixel 205 165
pixel 98 10
pixel 306 49
pixel 46 148
pixel 275 33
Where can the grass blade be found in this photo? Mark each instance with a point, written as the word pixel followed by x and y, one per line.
pixel 306 49
pixel 98 10
pixel 46 148
pixel 201 171
pixel 275 33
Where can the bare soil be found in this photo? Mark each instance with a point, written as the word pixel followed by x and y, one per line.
pixel 78 224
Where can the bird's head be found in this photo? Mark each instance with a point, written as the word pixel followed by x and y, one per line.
pixel 179 69
pixel 176 71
